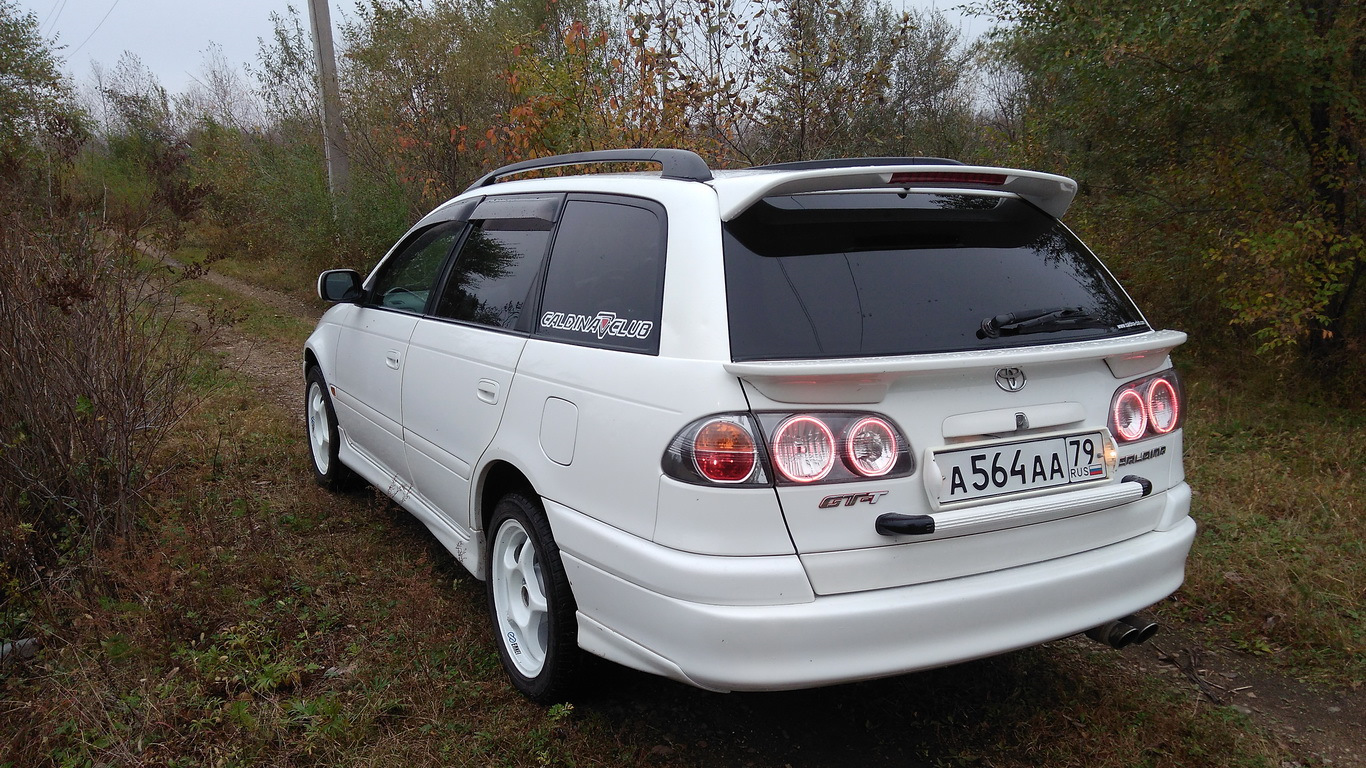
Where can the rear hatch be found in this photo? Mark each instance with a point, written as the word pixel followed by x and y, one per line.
pixel 993 341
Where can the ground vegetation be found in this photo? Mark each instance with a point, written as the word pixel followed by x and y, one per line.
pixel 191 603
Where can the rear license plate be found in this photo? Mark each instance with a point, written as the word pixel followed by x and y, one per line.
pixel 1002 469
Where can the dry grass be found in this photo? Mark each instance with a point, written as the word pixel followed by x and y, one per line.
pixel 1280 564
pixel 257 620
pixel 261 621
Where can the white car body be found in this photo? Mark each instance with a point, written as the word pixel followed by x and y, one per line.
pixel 774 586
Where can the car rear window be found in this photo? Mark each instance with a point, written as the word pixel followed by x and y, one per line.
pixel 870 273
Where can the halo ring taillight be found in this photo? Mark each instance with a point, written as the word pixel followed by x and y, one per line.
pixel 871 449
pixel 752 449
pixel 1131 418
pixel 803 449
pixel 1147 407
pixel 1163 405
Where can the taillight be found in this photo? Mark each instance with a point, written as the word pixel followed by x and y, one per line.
pixel 1164 408
pixel 717 450
pixel 1130 418
pixel 724 452
pixel 759 449
pixel 803 449
pixel 1146 408
pixel 871 447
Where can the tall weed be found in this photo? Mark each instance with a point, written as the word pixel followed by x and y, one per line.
pixel 268 202
pixel 93 365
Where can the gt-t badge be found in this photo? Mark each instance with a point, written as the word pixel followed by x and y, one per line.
pixel 850 499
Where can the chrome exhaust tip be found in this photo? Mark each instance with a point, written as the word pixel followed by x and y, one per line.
pixel 1120 633
pixel 1145 627
pixel 1115 634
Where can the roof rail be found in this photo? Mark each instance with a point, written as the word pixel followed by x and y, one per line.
pixel 850 162
pixel 678 164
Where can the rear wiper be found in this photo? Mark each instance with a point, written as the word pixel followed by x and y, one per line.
pixel 1039 321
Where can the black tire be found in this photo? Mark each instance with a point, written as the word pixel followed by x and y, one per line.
pixel 324 438
pixel 530 604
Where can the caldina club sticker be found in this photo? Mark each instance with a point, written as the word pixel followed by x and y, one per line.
pixel 601 325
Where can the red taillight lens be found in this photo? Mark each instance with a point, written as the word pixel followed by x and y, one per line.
pixel 724 452
pixel 768 448
pixel 803 449
pixel 1163 406
pixel 933 177
pixel 871 449
pixel 1146 407
pixel 1131 421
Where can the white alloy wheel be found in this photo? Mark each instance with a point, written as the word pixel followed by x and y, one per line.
pixel 323 435
pixel 319 429
pixel 523 618
pixel 530 602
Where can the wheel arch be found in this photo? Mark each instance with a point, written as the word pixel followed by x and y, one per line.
pixel 321 347
pixel 498 479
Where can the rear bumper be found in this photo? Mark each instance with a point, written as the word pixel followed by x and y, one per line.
pixel 841 638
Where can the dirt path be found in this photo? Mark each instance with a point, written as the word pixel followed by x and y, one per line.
pixel 276 368
pixel 1329 725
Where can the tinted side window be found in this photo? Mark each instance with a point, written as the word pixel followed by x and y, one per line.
pixel 492 276
pixel 407 278
pixel 605 284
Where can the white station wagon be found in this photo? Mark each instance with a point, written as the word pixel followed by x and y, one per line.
pixel 765 429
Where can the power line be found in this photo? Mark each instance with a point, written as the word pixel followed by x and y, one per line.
pixel 96 29
pixel 58 6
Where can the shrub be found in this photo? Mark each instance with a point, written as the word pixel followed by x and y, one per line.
pixel 93 366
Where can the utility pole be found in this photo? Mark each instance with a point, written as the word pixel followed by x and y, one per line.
pixel 334 140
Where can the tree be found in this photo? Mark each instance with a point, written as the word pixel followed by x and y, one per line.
pixel 37 113
pixel 424 84
pixel 218 94
pixel 827 86
pixel 1233 130
pixel 146 147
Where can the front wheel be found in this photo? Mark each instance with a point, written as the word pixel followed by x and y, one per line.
pixel 323 435
pixel 530 602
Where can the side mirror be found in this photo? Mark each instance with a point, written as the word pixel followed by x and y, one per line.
pixel 340 285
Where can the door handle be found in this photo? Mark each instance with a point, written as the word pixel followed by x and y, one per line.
pixel 391 359
pixel 487 389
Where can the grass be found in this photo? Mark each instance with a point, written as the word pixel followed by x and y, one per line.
pixel 252 318
pixel 257 620
pixel 1279 567
pixel 295 278
pixel 261 621
pixel 291 278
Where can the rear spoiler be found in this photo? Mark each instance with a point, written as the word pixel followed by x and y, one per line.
pixel 866 379
pixel 1052 193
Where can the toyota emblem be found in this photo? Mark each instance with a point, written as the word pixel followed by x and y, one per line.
pixel 1010 379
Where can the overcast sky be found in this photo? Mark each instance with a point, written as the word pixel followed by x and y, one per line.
pixel 171 36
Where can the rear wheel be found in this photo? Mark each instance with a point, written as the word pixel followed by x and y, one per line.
pixel 323 435
pixel 530 602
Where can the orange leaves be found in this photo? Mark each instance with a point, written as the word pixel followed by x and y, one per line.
pixel 574 38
